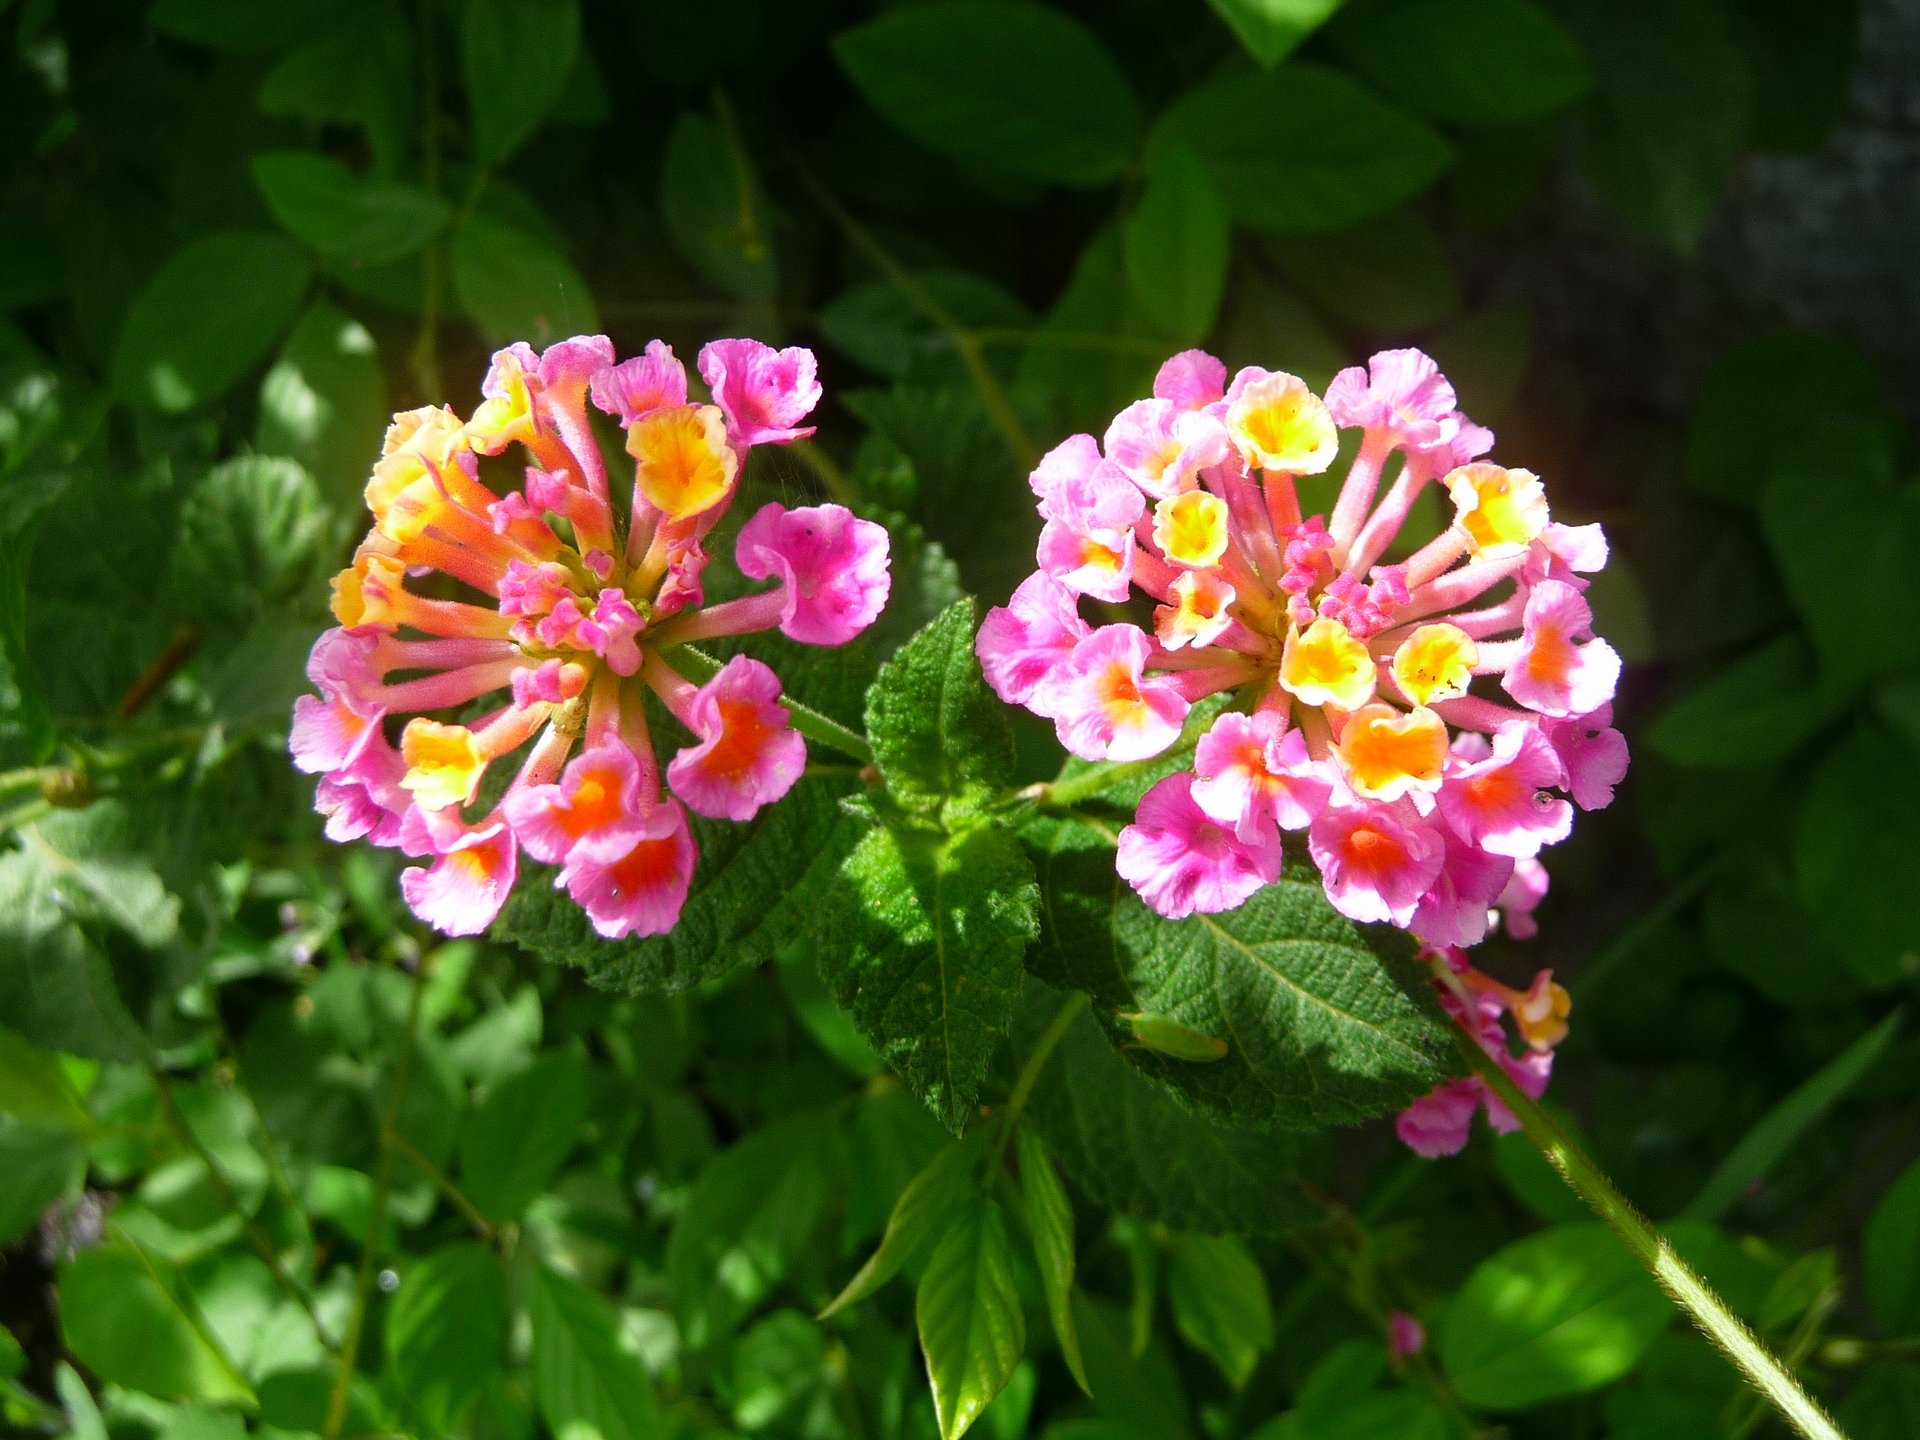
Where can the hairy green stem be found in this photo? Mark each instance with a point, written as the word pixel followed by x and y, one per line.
pixel 1682 1283
pixel 377 1216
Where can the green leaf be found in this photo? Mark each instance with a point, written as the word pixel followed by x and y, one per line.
pixel 1130 1147
pixel 1220 1302
pixel 324 403
pixel 716 211
pixel 1848 545
pixel 1390 274
pixel 515 1142
pixel 920 942
pixel 939 734
pixel 1050 1224
pixel 358 71
pixel 516 56
pixel 1802 58
pixel 749 1216
pixel 56 987
pixel 347 217
pixel 43 1165
pixel 123 1317
pixel 1327 1022
pixel 1668 117
pixel 999 84
pixel 779 1365
pixel 1471 62
pixel 514 287
pixel 247 533
pixel 1853 849
pixel 1302 150
pixel 1758 710
pixel 1890 1256
pixel 887 329
pixel 1271 30
pixel 34 1087
pixel 1558 1313
pixel 1762 1147
pixel 212 313
pixel 446 1331
pixel 1885 1404
pixel 971 1324
pixel 239 26
pixel 1178 241
pixel 757 885
pixel 1760 397
pixel 919 1217
pixel 589 1381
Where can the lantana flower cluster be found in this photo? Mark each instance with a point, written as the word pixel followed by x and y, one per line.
pixel 538 620
pixel 1426 727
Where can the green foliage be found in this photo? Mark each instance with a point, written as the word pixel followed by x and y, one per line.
pixel 715 210
pixel 590 1384
pixel 516 57
pixel 1273 29
pixel 1002 84
pixel 344 216
pixel 939 735
pixel 517 1138
pixel 1473 62
pixel 1890 1256
pixel 514 286
pixel 1558 1313
pixel 1178 243
pixel 969 1315
pixel 445 1332
pixel 1220 1303
pixel 123 1315
pixel 1302 150
pixel 1049 1217
pixel 213 312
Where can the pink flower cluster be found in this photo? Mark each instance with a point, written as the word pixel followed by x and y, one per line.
pixel 1439 1122
pixel 1427 726
pixel 553 610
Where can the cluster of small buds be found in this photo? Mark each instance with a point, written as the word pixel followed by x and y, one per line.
pixel 1439 1122
pixel 565 603
pixel 1423 803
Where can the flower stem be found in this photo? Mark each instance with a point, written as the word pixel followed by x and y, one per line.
pixel 1682 1283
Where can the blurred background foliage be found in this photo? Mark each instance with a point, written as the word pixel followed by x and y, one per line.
pixel 1664 247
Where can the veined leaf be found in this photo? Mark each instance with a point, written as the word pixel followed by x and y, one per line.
pixel 516 1141
pixel 589 1385
pixel 123 1316
pixel 919 1217
pixel 1220 1301
pixel 921 941
pixel 939 735
pixel 446 1331
pixel 517 55
pixel 968 1311
pixel 1050 1223
pixel 345 216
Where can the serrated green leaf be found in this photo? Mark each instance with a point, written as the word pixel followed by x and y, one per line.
pixel 1303 150
pixel 1220 1301
pixel 1472 62
pixel 124 1318
pixel 1558 1313
pixel 920 942
pixel 751 1213
pixel 1002 85
pixel 515 287
pixel 515 1142
pixel 756 885
pixel 212 313
pixel 716 211
pixel 919 1217
pixel 939 734
pixel 1178 242
pixel 1273 29
pixel 968 1311
pixel 588 1383
pixel 1050 1225
pixel 247 532
pixel 1327 1022
pixel 446 1331
pixel 516 56
pixel 347 217
pixel 1130 1147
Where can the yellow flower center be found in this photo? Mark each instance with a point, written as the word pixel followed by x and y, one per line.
pixel 1435 663
pixel 1325 665
pixel 1501 512
pixel 444 763
pixel 1191 529
pixel 1279 424
pixel 685 465
pixel 1386 754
